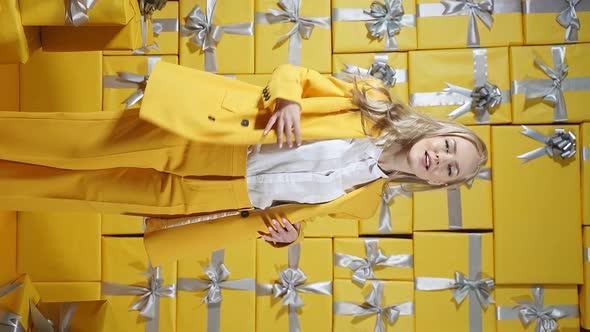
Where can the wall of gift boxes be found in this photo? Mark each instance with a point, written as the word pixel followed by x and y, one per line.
pixel 507 252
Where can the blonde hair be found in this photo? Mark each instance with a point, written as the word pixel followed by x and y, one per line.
pixel 392 121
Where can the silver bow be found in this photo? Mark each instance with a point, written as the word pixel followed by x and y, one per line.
pixel 480 288
pixel 148 304
pixel 384 72
pixel 363 267
pixel 206 34
pixel 485 173
pixel 546 316
pixel 568 18
pixel 483 99
pixel 482 9
pixel 9 321
pixel 42 324
pixel 561 143
pixel 385 220
pixel 388 20
pixel 146 12
pixel 372 306
pixel 139 80
pixel 77 11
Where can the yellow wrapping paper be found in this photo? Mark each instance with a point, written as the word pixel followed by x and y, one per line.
pixel 326 226
pixel 394 292
pixel 50 82
pixel 451 31
pixel 553 295
pixel 167 40
pixel 585 288
pixel 315 51
pixel 523 68
pixel 457 67
pixel 121 224
pixel 316 262
pixel 389 247
pixel 114 95
pixel 472 208
pixel 353 36
pixel 234 53
pixel 8 244
pixel 398 61
pixel 89 316
pixel 98 38
pixel 68 291
pixel 539 198
pixel 541 26
pixel 17 301
pixel 585 131
pixel 59 246
pixel 440 255
pixel 123 261
pixel 401 216
pixel 52 12
pixel 16 41
pixel 9 88
pixel 237 306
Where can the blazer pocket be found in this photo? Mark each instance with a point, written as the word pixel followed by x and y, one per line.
pixel 242 102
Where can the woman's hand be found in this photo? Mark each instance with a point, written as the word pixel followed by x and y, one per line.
pixel 286 116
pixel 278 233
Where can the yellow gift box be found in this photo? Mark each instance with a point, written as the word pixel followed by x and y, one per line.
pixel 397 263
pixel 397 219
pixel 558 297
pixel 62 82
pixel 118 90
pixel 16 41
pixel 271 51
pixel 165 36
pixel 444 255
pixel 68 291
pixel 46 240
pixel 585 131
pixel 361 63
pixel 585 288
pixel 326 226
pixel 125 262
pixel 121 224
pixel 350 33
pixel 53 12
pixel 541 25
pixel 463 68
pixel 87 316
pixel 17 295
pixel 466 207
pixel 527 76
pixel 315 261
pixel 8 244
pixel 9 87
pixel 138 33
pixel 463 26
pixel 235 312
pixel 541 198
pixel 232 51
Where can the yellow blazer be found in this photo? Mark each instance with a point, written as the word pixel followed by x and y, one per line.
pixel 212 109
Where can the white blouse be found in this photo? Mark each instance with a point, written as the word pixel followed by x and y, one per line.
pixel 316 172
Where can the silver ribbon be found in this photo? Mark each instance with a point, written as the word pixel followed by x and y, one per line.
pixel 483 99
pixel 568 18
pixel 42 324
pixel 586 153
pixel 561 143
pixel 216 275
pixel 567 13
pixel 291 282
pixel 145 16
pixel 454 208
pixel 164 25
pixel 125 80
pixel 475 286
pixel 372 306
pixel 148 304
pixel 379 70
pixel 9 321
pixel 385 220
pixel 384 20
pixel 363 267
pixel 587 254
pixel 530 310
pixel 301 29
pixel 207 35
pixel 77 11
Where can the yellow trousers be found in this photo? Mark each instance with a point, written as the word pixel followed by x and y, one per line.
pixel 113 162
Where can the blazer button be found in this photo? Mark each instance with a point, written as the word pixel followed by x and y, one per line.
pixel 245 123
pixel 244 214
pixel 266 97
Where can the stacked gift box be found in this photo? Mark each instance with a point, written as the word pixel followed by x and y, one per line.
pixel 508 251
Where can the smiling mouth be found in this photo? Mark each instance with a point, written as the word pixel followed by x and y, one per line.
pixel 426 160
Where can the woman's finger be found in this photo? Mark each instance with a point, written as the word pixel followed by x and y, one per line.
pixel 280 128
pixel 270 123
pixel 297 130
pixel 288 129
pixel 273 233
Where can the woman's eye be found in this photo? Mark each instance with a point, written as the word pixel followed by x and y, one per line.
pixel 450 170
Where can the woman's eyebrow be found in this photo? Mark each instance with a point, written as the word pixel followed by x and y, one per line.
pixel 454 145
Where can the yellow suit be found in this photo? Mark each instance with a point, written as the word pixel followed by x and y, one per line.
pixel 183 153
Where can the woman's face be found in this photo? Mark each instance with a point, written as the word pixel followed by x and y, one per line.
pixel 443 159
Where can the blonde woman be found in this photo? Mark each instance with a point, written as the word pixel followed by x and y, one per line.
pixel 202 145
